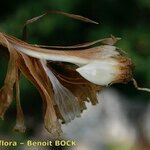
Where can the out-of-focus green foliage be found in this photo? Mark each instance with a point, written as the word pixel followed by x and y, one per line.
pixel 128 19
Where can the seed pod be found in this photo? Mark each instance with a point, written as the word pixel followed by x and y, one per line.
pixel 107 71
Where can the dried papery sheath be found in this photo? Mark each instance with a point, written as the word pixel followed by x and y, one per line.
pixel 65 100
pixel 20 124
pixel 65 76
pixel 6 92
pixel 32 68
pixel 80 87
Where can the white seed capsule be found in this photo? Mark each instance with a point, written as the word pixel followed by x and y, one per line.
pixel 106 71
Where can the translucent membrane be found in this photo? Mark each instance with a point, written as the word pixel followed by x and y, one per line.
pixel 65 100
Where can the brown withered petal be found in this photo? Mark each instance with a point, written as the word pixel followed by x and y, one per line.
pixel 20 124
pixel 65 76
pixel 32 69
pixel 6 97
pixel 107 41
pixel 65 100
pixel 6 92
pixel 84 91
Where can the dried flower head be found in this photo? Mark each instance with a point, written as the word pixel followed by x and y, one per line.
pixel 65 76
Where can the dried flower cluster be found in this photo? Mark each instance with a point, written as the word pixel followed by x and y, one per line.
pixel 66 77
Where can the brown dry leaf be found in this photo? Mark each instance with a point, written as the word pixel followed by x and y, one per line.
pixel 73 16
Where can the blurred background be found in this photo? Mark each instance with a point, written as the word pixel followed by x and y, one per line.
pixel 121 120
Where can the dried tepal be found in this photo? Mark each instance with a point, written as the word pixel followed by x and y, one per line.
pixel 65 76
